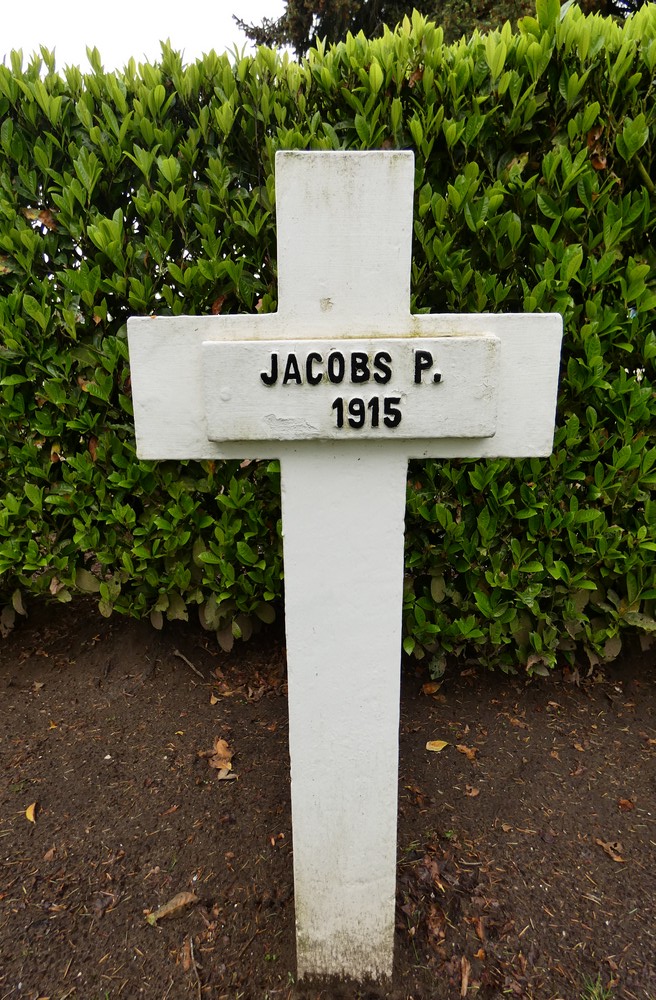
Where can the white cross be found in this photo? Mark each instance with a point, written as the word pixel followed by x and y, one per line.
pixel 344 385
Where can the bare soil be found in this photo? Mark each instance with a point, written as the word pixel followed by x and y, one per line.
pixel 526 847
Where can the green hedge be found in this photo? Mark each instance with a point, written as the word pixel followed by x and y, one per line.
pixel 152 190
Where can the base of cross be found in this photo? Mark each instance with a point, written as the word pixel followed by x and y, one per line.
pixel 343 514
pixel 344 385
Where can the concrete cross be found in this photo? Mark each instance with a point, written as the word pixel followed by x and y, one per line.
pixel 344 385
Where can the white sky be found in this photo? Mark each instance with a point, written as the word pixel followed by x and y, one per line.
pixel 123 28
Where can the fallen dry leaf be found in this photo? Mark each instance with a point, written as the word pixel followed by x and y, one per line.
pixel 222 756
pixel 626 805
pixel 579 747
pixel 465 972
pixel 49 855
pixel 174 907
pixel 612 848
pixel 418 797
pixel 479 927
pixel 30 813
pixel 471 791
pixel 436 923
pixel 436 745
pixel 186 954
pixel 432 687
pixel 469 752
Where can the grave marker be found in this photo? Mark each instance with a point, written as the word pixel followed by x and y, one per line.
pixel 344 385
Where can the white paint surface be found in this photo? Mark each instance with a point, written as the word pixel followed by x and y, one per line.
pixel 439 387
pixel 344 246
pixel 343 514
pixel 168 374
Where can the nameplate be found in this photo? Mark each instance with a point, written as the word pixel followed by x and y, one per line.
pixel 443 387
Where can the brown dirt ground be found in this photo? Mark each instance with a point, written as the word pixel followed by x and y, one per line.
pixel 526 848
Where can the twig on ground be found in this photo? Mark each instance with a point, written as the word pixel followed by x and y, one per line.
pixel 195 967
pixel 248 943
pixel 176 652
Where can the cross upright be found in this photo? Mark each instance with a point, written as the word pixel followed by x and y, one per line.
pixel 343 384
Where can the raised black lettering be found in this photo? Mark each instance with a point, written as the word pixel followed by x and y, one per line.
pixel 359 367
pixel 383 366
pixel 270 378
pixel 392 411
pixel 423 361
pixel 338 407
pixel 312 377
pixel 336 367
pixel 292 371
pixel 374 406
pixel 357 413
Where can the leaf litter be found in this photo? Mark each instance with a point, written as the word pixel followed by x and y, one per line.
pixel 498 897
pixel 220 758
pixel 436 746
pixel 174 908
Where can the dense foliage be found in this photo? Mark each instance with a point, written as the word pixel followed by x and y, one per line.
pixel 152 191
pixel 303 22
